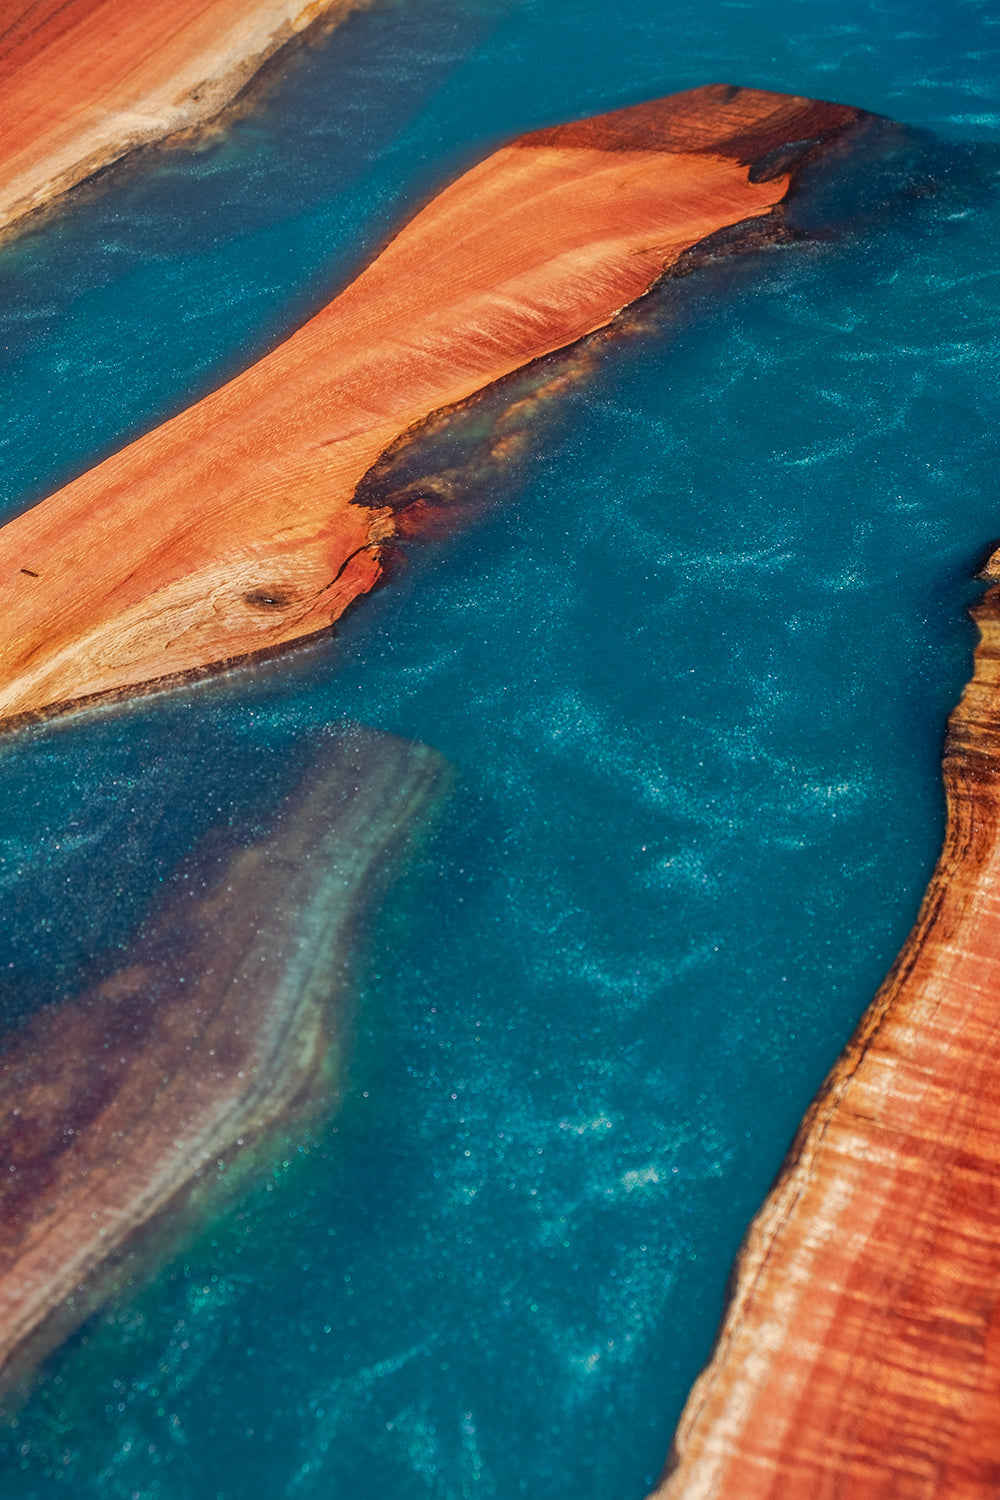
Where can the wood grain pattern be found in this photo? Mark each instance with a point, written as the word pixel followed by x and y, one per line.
pixel 122 1111
pixel 230 530
pixel 83 82
pixel 860 1353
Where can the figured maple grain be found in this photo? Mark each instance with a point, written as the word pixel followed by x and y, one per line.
pixel 230 530
pixel 83 82
pixel 860 1354
pixel 122 1110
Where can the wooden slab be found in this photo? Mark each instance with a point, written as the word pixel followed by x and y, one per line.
pixel 860 1353
pixel 124 1111
pixel 230 530
pixel 83 82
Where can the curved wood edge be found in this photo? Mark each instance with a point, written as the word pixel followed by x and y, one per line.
pixel 86 82
pixel 860 1350
pixel 234 529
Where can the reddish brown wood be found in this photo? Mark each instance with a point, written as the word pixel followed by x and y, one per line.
pixel 230 530
pixel 860 1354
pixel 83 82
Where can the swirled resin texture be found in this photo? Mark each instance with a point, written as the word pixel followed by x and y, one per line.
pixel 231 530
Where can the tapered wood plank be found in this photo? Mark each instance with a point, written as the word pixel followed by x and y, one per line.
pixel 230 530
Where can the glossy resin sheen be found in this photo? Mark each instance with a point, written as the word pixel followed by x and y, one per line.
pixel 230 530
pixel 860 1351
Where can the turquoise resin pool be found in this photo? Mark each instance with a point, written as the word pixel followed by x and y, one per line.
pixel 692 675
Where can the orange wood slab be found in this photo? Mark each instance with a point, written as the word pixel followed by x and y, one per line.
pixel 860 1355
pixel 83 82
pixel 230 530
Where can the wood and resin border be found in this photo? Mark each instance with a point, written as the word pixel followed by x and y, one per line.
pixel 237 527
pixel 860 1352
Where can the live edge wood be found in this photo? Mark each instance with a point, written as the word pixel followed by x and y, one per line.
pixel 125 1112
pixel 84 82
pixel 860 1354
pixel 231 531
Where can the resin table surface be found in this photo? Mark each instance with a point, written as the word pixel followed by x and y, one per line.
pixel 240 525
pixel 683 849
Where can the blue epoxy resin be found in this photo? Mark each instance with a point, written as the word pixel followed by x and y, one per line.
pixel 692 675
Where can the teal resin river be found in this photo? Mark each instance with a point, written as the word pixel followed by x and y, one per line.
pixel 691 669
